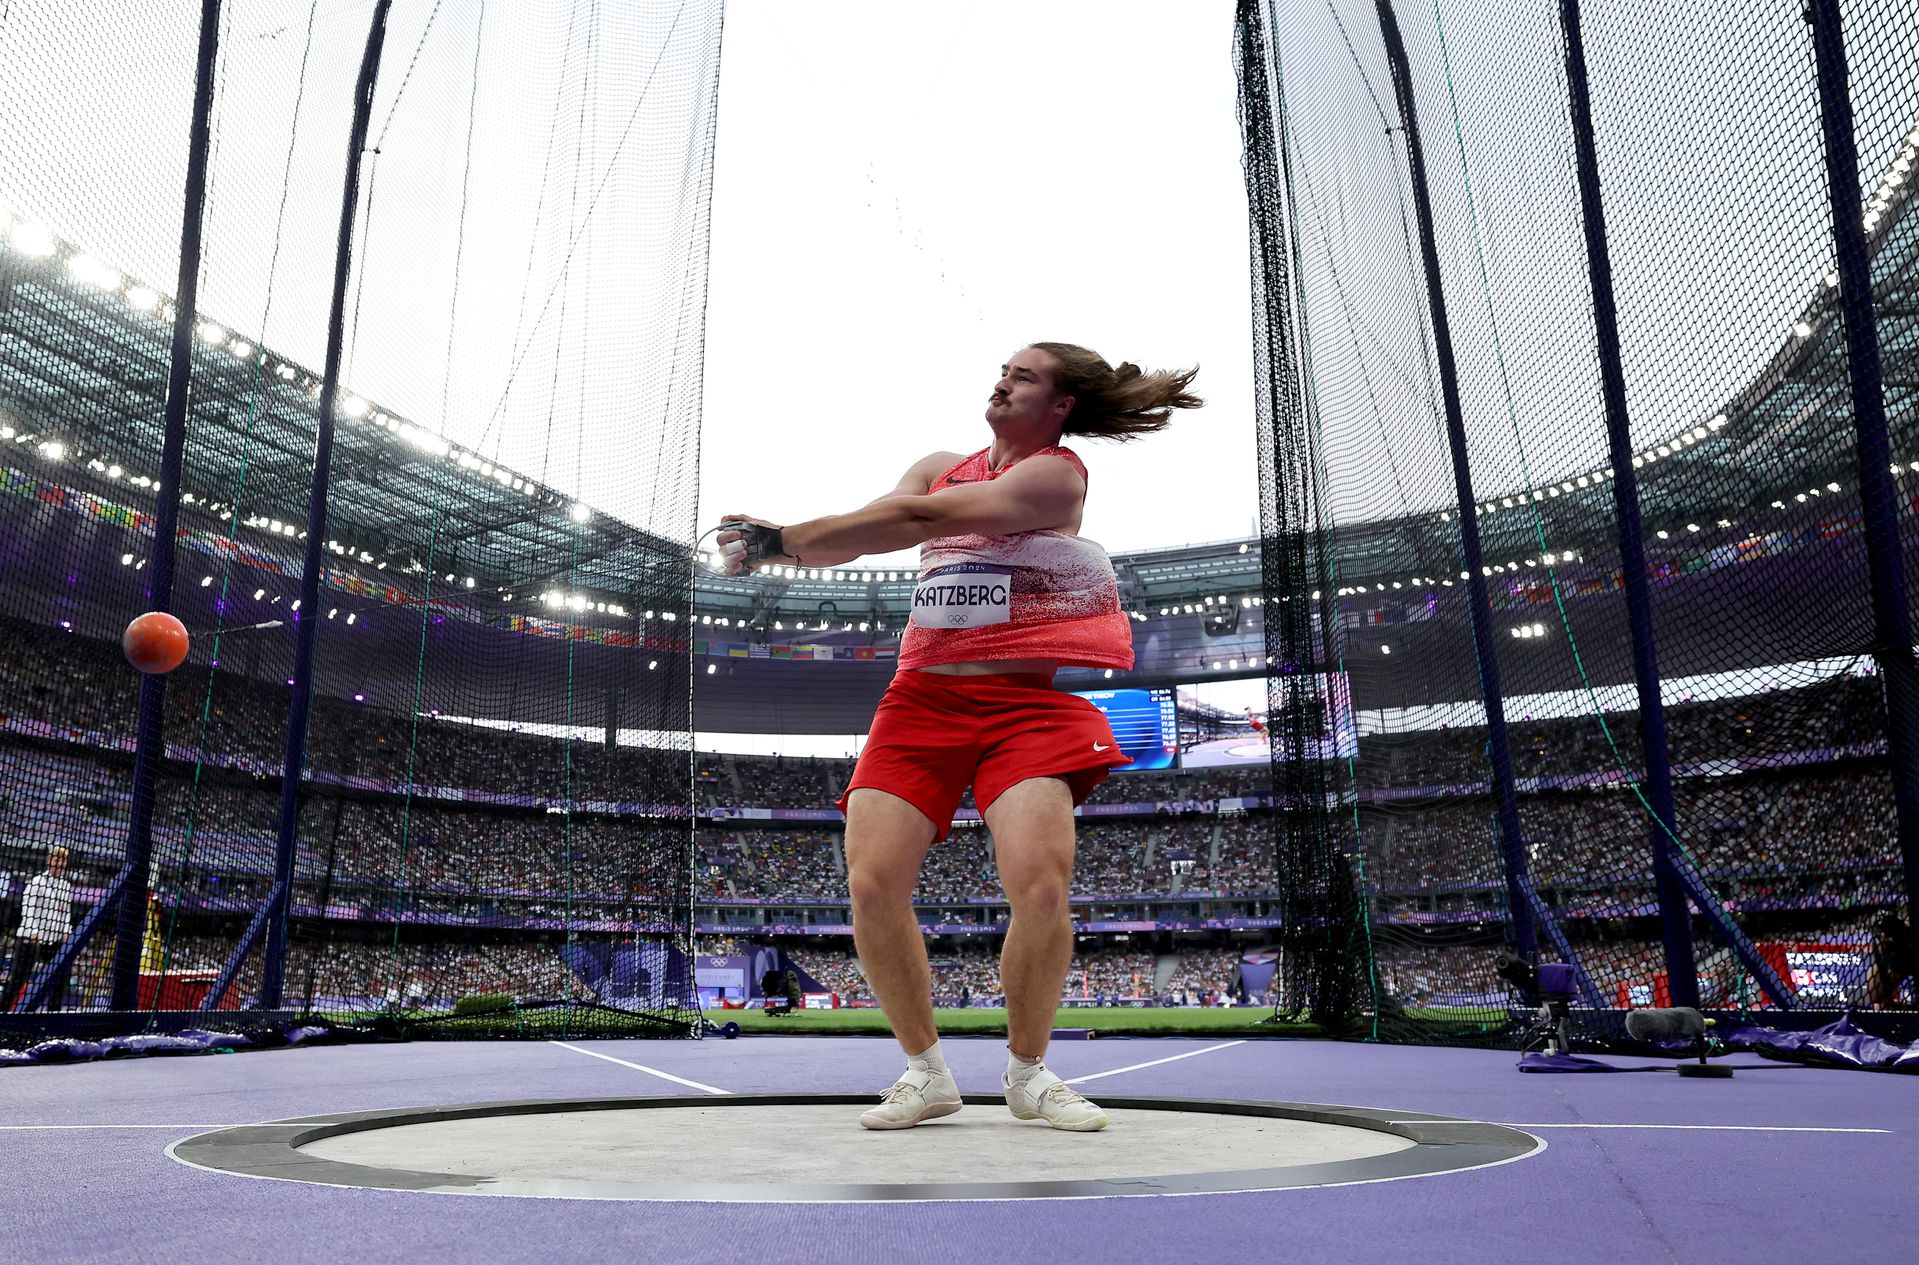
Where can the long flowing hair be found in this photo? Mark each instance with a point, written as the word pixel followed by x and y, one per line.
pixel 1122 403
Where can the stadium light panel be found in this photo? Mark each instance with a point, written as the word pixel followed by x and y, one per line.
pixel 90 270
pixel 32 239
pixel 142 299
pixel 580 513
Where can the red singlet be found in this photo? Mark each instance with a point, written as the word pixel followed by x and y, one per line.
pixel 1029 595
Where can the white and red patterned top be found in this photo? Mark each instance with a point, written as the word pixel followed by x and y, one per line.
pixel 1029 595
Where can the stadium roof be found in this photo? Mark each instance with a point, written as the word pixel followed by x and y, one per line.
pixel 83 365
pixel 83 361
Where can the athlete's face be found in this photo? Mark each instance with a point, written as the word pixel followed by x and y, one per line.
pixel 1024 395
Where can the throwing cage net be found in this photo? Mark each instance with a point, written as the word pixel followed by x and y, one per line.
pixel 487 550
pixel 1503 798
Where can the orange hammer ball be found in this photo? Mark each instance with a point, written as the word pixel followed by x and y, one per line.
pixel 155 642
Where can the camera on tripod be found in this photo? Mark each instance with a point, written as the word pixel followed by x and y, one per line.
pixel 1553 984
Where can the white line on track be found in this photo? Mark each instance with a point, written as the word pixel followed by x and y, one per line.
pixel 641 1067
pixel 1225 1045
pixel 1710 1128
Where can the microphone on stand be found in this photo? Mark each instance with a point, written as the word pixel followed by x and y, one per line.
pixel 1678 1023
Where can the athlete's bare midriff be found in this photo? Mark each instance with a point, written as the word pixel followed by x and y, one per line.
pixel 990 667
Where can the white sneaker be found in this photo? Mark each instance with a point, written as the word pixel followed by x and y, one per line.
pixel 915 1097
pixel 1044 1096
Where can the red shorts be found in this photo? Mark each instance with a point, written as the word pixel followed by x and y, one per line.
pixel 934 734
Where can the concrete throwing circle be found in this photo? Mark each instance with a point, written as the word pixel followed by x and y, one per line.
pixel 803 1148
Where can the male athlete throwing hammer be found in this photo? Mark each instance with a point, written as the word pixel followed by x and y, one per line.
pixel 1008 591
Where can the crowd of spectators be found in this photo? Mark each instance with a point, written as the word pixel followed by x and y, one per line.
pixel 1825 838
pixel 1743 830
pixel 1203 976
pixel 780 864
pixel 355 976
pixel 972 972
pixel 1833 714
pixel 1808 836
pixel 1247 856
pixel 78 683
pixel 780 782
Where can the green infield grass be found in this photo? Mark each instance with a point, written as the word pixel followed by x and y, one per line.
pixel 1118 1021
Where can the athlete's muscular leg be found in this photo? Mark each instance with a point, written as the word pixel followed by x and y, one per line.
pixel 1032 825
pixel 886 843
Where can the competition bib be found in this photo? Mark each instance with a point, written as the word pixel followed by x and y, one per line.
pixel 964 595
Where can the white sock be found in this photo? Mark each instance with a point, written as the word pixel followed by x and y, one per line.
pixel 928 1060
pixel 1019 1069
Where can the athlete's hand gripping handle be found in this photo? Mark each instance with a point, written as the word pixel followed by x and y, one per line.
pixel 747 544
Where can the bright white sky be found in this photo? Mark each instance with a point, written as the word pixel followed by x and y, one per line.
pixel 907 193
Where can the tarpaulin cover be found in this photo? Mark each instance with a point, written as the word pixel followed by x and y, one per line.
pixel 1836 1045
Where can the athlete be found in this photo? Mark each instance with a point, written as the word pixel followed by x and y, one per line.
pixel 1008 591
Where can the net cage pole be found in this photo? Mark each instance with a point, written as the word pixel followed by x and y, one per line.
pixel 1675 923
pixel 272 916
pixel 1878 496
pixel 1320 911
pixel 1519 895
pixel 118 900
pixel 1673 881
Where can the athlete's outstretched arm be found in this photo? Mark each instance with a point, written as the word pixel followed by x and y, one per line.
pixel 1035 495
pixel 917 479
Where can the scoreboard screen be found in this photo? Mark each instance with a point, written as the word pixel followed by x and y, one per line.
pixel 1228 722
pixel 1145 722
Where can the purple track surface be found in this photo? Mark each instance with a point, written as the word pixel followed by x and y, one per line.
pixel 1614 1195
